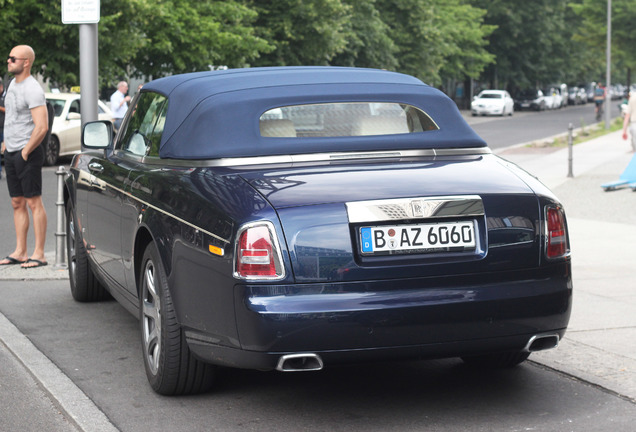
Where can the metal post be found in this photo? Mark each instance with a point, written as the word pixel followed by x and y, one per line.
pixel 570 149
pixel 88 71
pixel 608 67
pixel 60 234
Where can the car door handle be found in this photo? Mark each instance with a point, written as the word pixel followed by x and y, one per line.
pixel 95 167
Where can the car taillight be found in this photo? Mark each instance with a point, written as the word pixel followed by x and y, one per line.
pixel 556 233
pixel 257 253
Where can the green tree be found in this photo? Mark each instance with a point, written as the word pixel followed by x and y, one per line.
pixel 592 32
pixel 303 32
pixel 368 41
pixel 533 44
pixel 437 36
pixel 31 23
pixel 136 37
pixel 178 36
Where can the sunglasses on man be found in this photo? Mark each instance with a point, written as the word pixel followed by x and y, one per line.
pixel 13 58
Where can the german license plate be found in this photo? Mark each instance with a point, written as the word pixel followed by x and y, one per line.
pixel 424 238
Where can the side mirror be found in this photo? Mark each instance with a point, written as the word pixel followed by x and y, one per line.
pixel 97 135
pixel 74 116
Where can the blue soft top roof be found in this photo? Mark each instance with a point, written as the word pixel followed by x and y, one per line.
pixel 216 114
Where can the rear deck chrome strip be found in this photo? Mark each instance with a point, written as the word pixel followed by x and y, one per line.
pixel 414 208
pixel 317 157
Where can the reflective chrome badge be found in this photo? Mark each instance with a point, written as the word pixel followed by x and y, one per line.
pixel 415 208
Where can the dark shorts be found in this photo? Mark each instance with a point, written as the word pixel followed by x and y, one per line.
pixel 24 179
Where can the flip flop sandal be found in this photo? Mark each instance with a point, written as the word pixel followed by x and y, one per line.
pixel 12 261
pixel 38 263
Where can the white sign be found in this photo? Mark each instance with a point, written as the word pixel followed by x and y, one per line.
pixel 80 11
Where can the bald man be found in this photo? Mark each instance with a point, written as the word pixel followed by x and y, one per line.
pixel 119 103
pixel 25 126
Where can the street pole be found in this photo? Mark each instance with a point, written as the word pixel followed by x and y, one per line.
pixel 608 78
pixel 88 71
pixel 570 150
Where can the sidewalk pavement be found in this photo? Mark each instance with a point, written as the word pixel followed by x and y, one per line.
pixel 600 344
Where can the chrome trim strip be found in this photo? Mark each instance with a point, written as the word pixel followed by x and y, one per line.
pixel 147 204
pixel 315 157
pixel 463 151
pixel 414 208
pixel 500 245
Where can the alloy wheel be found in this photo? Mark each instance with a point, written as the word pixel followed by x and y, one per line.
pixel 151 316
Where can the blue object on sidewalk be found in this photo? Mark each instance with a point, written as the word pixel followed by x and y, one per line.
pixel 627 178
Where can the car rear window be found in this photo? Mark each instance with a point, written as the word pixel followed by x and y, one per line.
pixel 344 119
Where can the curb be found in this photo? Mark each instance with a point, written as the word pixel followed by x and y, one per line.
pixel 73 402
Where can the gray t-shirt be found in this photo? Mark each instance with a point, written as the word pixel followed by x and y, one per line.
pixel 18 122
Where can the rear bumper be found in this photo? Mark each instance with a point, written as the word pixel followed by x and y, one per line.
pixel 422 318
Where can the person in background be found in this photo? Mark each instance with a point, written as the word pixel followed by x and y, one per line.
pixel 599 98
pixel 119 103
pixel 629 121
pixel 1 124
pixel 26 124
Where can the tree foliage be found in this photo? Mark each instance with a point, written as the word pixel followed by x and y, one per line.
pixel 369 43
pixel 506 43
pixel 436 36
pixel 178 36
pixel 592 32
pixel 303 32
pixel 530 42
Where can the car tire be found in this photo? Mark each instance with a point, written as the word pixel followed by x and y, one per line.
pixel 51 151
pixel 84 285
pixel 170 366
pixel 497 360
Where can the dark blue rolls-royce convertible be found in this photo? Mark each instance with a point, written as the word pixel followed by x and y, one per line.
pixel 294 218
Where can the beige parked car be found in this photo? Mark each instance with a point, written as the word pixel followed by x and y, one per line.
pixel 67 125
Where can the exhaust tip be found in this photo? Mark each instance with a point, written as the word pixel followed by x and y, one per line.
pixel 542 342
pixel 300 363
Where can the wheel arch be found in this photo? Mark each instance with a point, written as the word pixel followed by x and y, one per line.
pixel 142 239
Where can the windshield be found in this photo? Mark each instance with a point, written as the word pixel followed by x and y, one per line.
pixel 528 94
pixel 490 96
pixel 58 106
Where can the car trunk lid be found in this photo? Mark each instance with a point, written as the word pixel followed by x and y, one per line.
pixel 322 211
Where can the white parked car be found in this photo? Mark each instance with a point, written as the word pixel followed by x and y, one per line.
pixel 553 97
pixel 67 125
pixel 492 102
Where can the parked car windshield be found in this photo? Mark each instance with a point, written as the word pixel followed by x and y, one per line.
pixel 490 95
pixel 58 106
pixel 531 94
pixel 344 119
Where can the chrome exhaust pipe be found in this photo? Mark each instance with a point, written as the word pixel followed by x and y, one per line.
pixel 542 342
pixel 299 363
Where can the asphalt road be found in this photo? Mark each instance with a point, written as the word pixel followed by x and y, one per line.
pixel 528 126
pixel 97 346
